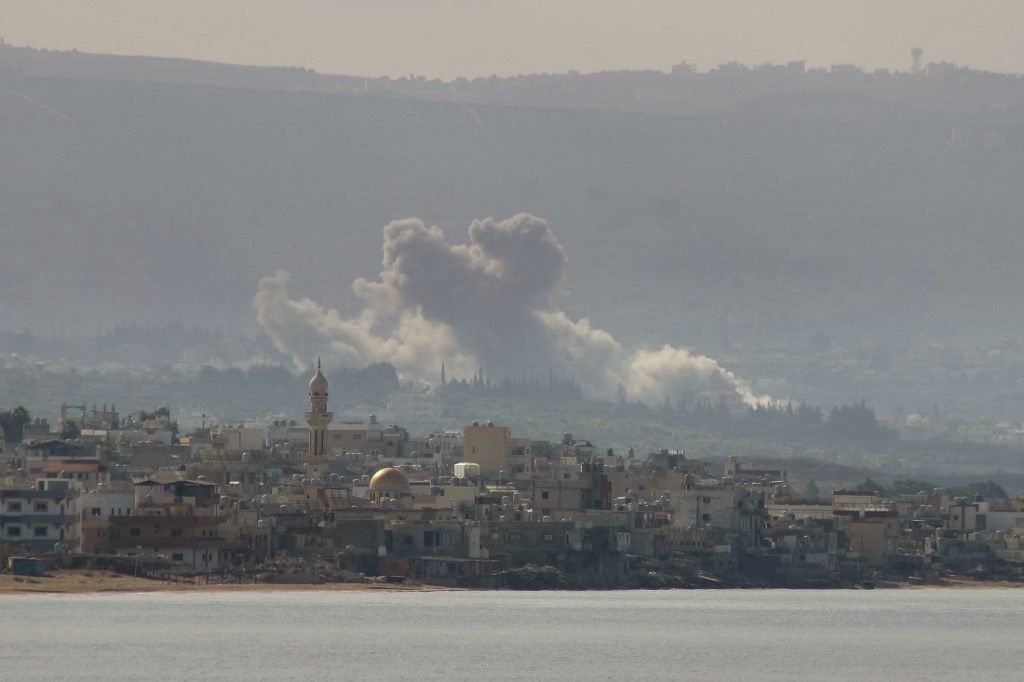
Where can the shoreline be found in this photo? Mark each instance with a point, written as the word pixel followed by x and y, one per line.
pixel 103 582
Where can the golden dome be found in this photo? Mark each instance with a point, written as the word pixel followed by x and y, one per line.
pixel 389 478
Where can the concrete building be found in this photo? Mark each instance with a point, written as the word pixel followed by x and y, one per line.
pixel 95 509
pixel 446 446
pixel 486 445
pixel 192 541
pixel 87 474
pixel 179 520
pixel 369 438
pixel 733 508
pixel 39 518
pixel 569 487
pixel 238 439
pixel 495 450
pixel 874 536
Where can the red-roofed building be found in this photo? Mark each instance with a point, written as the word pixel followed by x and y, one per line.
pixel 86 473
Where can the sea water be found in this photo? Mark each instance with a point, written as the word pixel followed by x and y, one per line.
pixel 717 635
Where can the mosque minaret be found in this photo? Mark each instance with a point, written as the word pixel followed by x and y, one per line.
pixel 317 460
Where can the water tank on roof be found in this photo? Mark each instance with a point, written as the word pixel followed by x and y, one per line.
pixel 467 470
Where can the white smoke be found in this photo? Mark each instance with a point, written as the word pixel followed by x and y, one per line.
pixel 487 303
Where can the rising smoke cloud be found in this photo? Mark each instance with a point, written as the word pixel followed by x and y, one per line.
pixel 490 302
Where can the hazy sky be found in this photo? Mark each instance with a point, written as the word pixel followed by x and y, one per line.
pixel 449 38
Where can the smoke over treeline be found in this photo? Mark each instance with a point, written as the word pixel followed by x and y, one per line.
pixel 491 302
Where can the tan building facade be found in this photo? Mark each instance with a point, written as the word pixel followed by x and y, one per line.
pixel 487 445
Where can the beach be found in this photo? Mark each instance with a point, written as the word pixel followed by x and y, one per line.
pixel 99 582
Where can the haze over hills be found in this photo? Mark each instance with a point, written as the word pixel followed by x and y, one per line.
pixel 725 210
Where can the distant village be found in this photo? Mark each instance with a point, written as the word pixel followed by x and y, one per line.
pixel 363 501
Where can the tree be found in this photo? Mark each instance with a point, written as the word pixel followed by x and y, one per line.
pixel 13 423
pixel 71 431
pixel 811 491
pixel 869 486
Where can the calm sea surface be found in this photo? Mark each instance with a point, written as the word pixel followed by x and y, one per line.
pixel 713 635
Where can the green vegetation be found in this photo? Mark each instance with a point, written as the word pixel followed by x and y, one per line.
pixel 987 489
pixel 70 431
pixel 13 423
pixel 847 435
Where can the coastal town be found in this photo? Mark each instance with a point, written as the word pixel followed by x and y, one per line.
pixel 366 502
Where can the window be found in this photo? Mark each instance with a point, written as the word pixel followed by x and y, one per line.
pixel 96 511
pixel 39 507
pixel 135 532
pixel 549 537
pixel 14 506
pixel 40 531
pixel 545 495
pixel 175 532
pixel 14 531
pixel 705 517
pixel 565 476
pixel 177 556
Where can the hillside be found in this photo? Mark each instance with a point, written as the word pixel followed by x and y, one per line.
pixel 774 219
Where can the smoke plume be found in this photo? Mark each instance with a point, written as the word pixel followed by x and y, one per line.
pixel 490 302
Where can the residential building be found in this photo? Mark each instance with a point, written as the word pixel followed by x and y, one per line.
pixel 39 518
